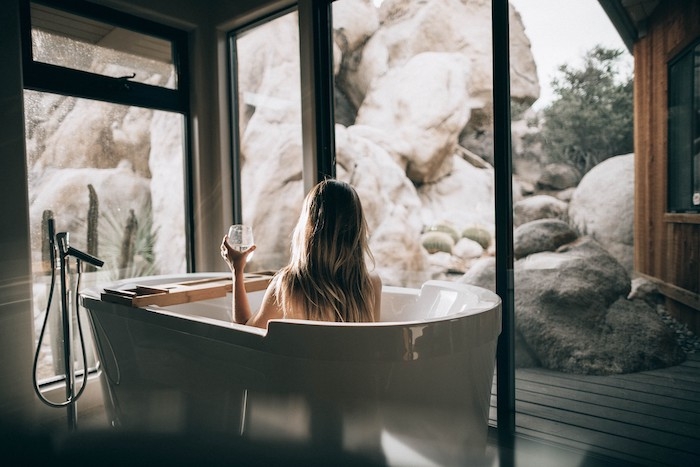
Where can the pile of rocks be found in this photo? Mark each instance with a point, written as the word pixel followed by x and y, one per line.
pixel 687 340
pixel 646 290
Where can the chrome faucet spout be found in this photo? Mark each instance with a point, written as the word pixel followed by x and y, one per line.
pixel 66 250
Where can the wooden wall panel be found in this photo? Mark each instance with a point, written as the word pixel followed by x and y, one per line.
pixel 684 256
pixel 667 247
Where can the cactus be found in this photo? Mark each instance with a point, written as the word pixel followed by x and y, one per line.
pixel 45 241
pixel 436 240
pixel 479 235
pixel 92 220
pixel 126 256
pixel 448 229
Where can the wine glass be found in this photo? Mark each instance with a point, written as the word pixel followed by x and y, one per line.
pixel 240 237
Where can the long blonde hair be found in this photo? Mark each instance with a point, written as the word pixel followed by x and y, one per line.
pixel 327 277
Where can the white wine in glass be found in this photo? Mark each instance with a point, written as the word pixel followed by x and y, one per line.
pixel 240 237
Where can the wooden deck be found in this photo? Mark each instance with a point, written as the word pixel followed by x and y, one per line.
pixel 646 418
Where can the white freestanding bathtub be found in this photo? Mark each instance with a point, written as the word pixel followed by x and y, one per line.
pixel 421 378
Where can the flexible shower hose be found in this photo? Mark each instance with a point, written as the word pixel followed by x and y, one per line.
pixel 37 390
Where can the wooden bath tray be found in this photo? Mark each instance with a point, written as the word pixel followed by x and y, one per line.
pixel 183 292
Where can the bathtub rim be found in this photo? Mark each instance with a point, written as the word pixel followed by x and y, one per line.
pixel 463 337
pixel 487 301
pixel 464 329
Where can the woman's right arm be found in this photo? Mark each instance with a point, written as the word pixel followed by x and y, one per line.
pixel 236 261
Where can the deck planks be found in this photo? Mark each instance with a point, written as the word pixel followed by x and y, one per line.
pixel 645 418
pixel 625 390
pixel 612 409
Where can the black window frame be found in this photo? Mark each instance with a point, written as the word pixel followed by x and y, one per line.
pixel 683 143
pixel 40 76
pixel 233 103
pixel 316 63
pixel 322 163
pixel 44 77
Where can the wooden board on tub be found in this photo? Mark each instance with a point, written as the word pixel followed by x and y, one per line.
pixel 184 292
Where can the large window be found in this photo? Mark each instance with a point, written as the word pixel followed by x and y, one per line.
pixel 105 127
pixel 684 132
pixel 402 132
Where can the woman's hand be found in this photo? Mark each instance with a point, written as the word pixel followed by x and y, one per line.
pixel 235 259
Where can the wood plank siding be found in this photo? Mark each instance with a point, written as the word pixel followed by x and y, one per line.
pixel 667 246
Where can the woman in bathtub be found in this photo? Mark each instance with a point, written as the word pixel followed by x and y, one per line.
pixel 327 278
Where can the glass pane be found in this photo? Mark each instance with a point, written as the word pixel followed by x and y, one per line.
pixel 583 319
pixel 269 129
pixel 413 122
pixel 112 177
pixel 71 41
pixel 412 137
pixel 680 138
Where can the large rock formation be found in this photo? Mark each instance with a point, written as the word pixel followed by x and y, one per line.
pixel 65 192
pixel 541 235
pixel 464 27
pixel 572 313
pixel 602 206
pixel 558 176
pixel 412 78
pixel 572 281
pixel 407 86
pixel 463 197
pixel 166 179
pixel 424 101
pixel 538 207
pixel 391 205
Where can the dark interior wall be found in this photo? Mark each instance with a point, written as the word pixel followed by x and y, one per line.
pixel 210 192
pixel 15 292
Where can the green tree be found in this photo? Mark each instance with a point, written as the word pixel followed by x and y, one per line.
pixel 592 117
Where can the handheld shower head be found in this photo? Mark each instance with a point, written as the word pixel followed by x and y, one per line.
pixel 51 227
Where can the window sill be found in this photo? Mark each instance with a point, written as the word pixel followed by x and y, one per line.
pixel 682 218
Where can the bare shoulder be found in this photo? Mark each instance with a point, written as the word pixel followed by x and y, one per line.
pixel 269 309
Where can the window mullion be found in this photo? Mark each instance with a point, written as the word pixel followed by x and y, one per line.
pixel 315 44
